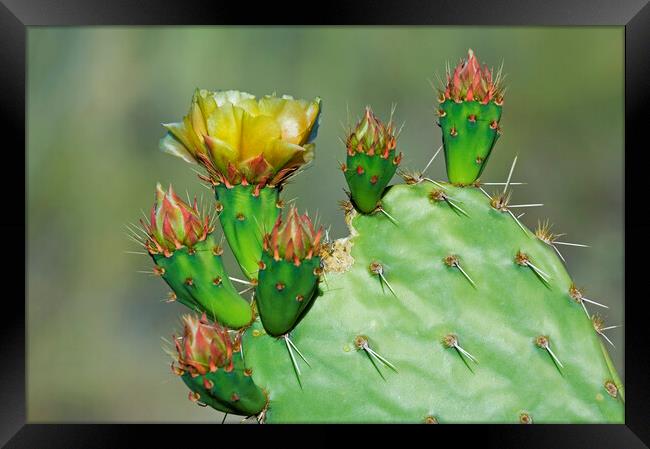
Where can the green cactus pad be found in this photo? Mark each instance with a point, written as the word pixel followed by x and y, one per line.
pixel 232 392
pixel 468 136
pixel 496 321
pixel 199 280
pixel 284 291
pixel 248 212
pixel 367 177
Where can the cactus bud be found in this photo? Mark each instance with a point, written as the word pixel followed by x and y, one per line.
pixel 204 347
pixel 206 364
pixel 471 82
pixel 188 258
pixel 469 114
pixel 174 223
pixel 288 281
pixel 295 240
pixel 371 160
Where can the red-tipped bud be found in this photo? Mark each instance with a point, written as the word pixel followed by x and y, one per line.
pixel 295 239
pixel 174 223
pixel 471 82
pixel 204 346
pixel 372 136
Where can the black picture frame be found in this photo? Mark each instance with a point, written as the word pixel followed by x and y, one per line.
pixel 17 15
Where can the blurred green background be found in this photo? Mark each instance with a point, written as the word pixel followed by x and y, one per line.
pixel 97 96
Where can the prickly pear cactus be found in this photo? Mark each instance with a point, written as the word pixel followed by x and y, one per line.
pixel 439 307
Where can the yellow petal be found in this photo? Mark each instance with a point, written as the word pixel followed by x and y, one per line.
pixel 225 124
pixel 206 102
pixel 258 133
pixel 197 119
pixel 312 113
pixel 230 96
pixel 249 105
pixel 169 144
pixel 278 153
pixel 179 131
pixel 222 153
pixel 290 115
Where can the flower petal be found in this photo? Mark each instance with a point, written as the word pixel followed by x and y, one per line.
pixel 171 145
pixel 279 152
pixel 222 153
pixel 258 133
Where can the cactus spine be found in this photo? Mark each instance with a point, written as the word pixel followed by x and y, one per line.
pixel 444 308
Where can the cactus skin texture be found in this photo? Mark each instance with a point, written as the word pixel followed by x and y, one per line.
pixel 246 214
pixel 469 132
pixel 371 161
pixel 232 392
pixel 497 322
pixel 200 282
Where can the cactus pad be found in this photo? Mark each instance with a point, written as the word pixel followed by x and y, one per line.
pixel 200 282
pixel 462 351
pixel 247 212
pixel 469 131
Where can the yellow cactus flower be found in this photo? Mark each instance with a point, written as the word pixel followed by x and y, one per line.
pixel 243 140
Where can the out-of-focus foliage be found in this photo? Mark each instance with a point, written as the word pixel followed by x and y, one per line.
pixel 97 96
